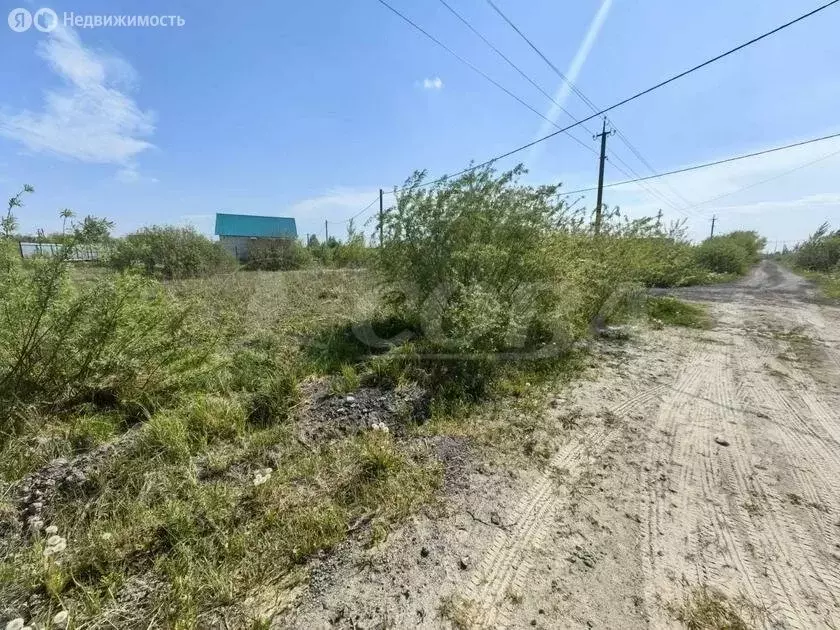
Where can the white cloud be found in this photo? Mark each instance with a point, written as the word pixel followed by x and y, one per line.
pixel 433 84
pixel 91 118
pixel 130 175
pixel 831 200
pixel 337 204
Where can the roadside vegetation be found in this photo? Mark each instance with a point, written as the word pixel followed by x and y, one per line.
pixel 818 259
pixel 179 439
pixel 671 311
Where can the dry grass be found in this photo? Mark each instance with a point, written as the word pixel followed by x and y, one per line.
pixel 181 523
pixel 706 608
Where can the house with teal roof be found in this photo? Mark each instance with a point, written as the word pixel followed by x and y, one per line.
pixel 238 233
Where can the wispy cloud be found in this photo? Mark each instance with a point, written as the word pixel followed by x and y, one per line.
pixel 761 190
pixel 433 84
pixel 337 204
pixel 91 118
pixel 831 200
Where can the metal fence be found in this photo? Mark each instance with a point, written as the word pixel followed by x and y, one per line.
pixel 77 253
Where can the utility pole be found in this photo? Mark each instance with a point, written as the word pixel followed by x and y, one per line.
pixel 714 218
pixel 381 215
pixel 603 135
pixel 326 231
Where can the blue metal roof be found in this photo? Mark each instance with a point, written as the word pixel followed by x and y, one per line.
pixel 252 225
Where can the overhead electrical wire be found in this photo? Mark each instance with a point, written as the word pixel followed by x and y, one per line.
pixel 552 100
pixel 708 164
pixel 479 71
pixel 358 214
pixel 612 107
pixel 587 101
pixel 764 181
pixel 696 167
pixel 629 99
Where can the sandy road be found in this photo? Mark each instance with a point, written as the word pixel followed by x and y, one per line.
pixel 704 459
pixel 759 518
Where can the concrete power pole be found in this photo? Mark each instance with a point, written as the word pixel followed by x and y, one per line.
pixel 326 231
pixel 603 135
pixel 714 218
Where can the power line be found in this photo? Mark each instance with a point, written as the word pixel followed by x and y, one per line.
pixel 479 71
pixel 509 62
pixel 764 181
pixel 591 105
pixel 691 168
pixel 358 214
pixel 544 58
pixel 522 73
pixel 708 164
pixel 628 99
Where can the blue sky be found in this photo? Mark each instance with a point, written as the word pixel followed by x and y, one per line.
pixel 306 109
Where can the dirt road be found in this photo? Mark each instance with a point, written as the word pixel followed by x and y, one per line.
pixel 702 469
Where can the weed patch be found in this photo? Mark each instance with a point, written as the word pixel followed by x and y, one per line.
pixel 706 608
pixel 674 312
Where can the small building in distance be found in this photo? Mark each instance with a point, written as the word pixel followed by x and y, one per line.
pixel 238 233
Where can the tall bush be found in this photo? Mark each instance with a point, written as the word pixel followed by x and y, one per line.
pixel 821 252
pixel 121 340
pixel 471 261
pixel 723 255
pixel 278 255
pixel 170 252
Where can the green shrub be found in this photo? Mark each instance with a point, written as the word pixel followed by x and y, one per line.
pixel 669 310
pixel 278 255
pixel 470 259
pixel 353 253
pixel 731 253
pixel 170 252
pixel 121 340
pixel 750 242
pixel 723 255
pixel 821 252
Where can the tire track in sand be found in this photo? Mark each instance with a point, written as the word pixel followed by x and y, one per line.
pixel 509 558
pixel 710 527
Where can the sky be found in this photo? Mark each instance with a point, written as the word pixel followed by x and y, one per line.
pixel 306 109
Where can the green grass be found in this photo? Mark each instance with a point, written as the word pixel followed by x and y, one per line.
pixel 175 505
pixel 706 608
pixel 674 312
pixel 828 282
pixel 212 494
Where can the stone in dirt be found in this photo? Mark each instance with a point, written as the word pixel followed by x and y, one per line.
pixel 721 440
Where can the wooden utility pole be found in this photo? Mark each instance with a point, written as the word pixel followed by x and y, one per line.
pixel 603 135
pixel 381 215
pixel 714 218
pixel 326 231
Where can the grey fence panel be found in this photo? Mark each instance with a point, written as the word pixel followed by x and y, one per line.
pixel 80 253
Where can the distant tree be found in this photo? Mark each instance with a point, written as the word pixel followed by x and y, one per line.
pixel 9 223
pixel 65 214
pixel 93 230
